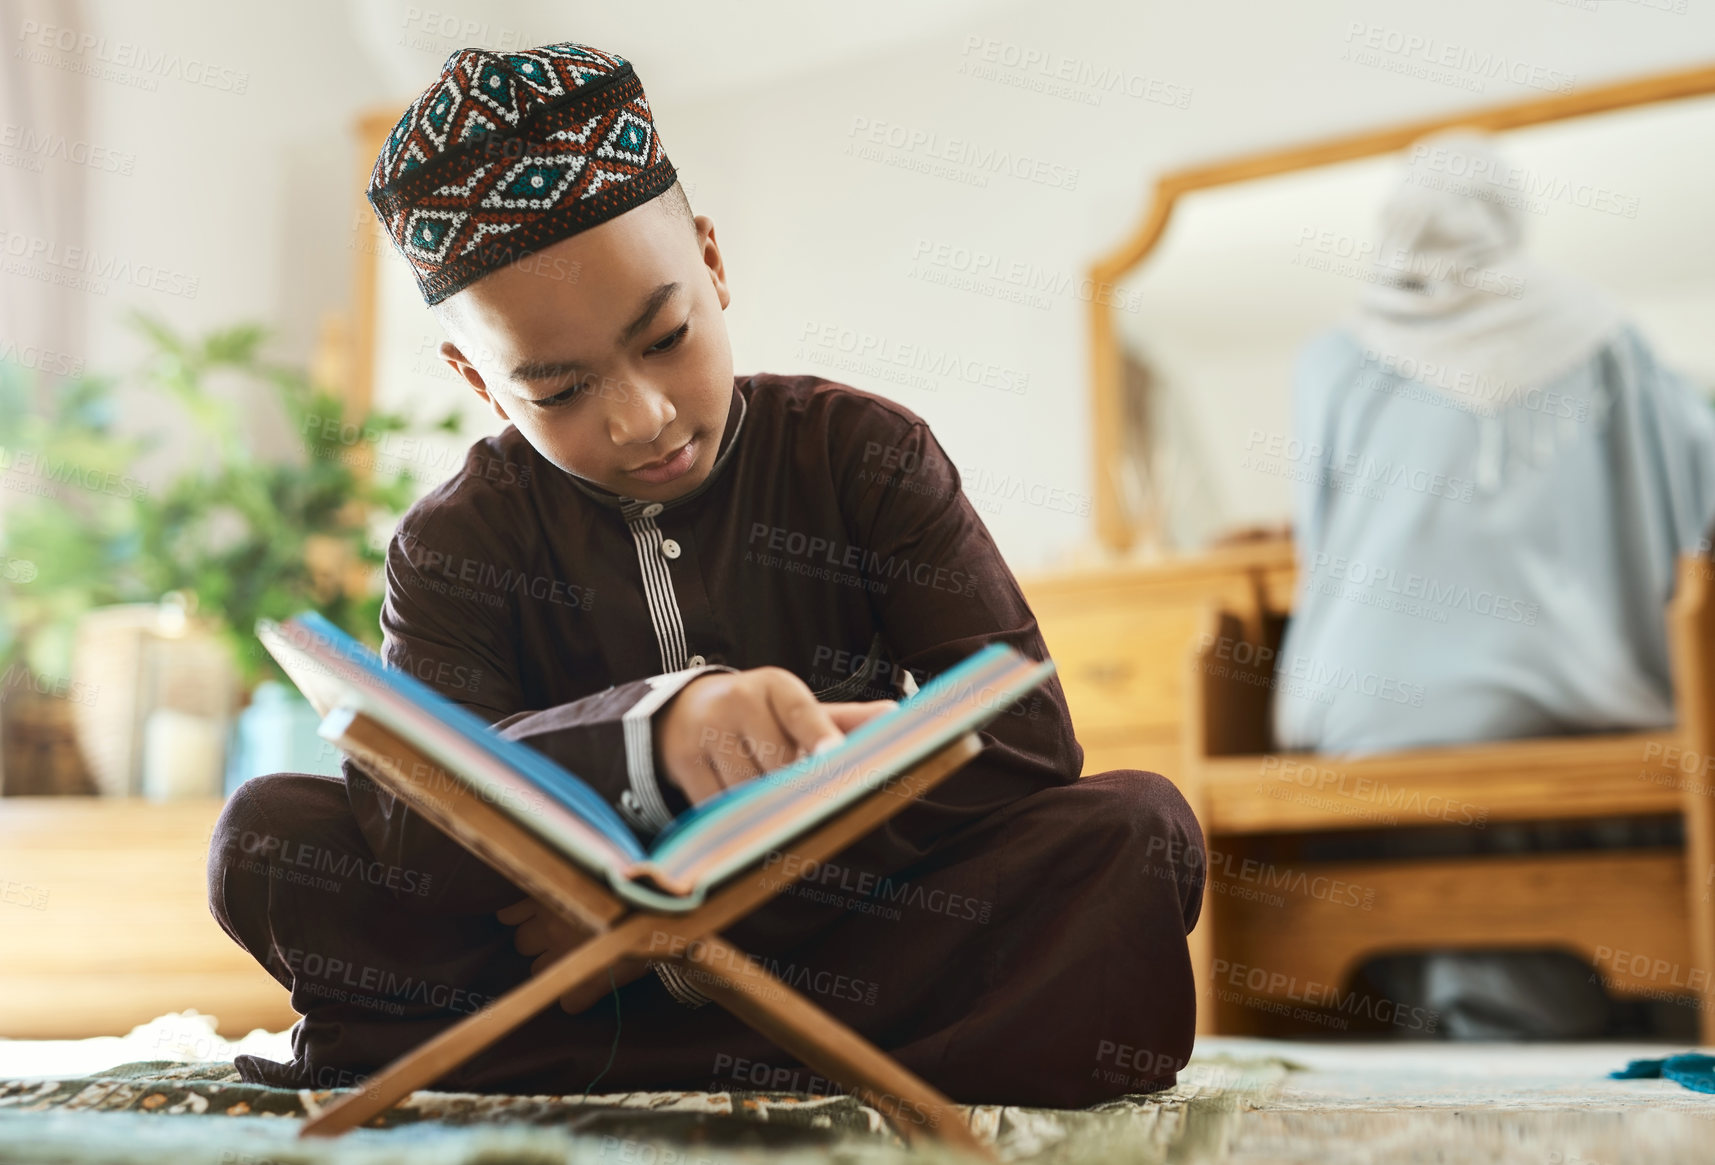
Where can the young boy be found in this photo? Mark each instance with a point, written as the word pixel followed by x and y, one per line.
pixel 671 579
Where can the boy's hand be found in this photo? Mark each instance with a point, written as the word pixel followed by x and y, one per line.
pixel 726 728
pixel 543 933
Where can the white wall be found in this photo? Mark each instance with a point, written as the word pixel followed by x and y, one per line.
pixel 232 201
pixel 760 105
pixel 815 235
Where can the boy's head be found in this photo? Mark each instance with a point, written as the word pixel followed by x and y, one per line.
pixel 548 232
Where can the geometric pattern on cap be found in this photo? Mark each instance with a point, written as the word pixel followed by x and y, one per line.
pixel 510 152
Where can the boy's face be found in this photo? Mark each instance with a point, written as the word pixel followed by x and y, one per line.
pixel 607 350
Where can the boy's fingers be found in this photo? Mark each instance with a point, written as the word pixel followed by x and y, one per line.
pixel 530 938
pixel 701 781
pixel 848 716
pixel 517 912
pixel 735 760
pixel 806 721
pixel 767 748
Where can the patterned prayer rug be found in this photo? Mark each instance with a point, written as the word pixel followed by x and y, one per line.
pixel 123 1114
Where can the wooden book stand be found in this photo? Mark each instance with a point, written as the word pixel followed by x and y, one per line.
pixel 620 931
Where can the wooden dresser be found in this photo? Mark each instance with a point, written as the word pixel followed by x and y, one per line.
pixel 104 922
pixel 1121 636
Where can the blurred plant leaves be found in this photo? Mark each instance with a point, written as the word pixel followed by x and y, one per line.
pixel 241 536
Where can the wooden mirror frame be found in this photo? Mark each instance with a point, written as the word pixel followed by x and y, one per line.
pixel 1107 368
pixel 372 130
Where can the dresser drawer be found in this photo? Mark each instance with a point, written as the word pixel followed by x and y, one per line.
pixel 1122 667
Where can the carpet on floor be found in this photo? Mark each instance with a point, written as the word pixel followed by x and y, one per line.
pixel 162 1113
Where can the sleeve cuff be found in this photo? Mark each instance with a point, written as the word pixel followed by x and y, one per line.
pixel 643 803
pixel 674 980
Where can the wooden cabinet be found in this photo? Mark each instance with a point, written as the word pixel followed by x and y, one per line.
pixel 1120 636
pixel 104 921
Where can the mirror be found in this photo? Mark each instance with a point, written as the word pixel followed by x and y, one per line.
pixel 1194 356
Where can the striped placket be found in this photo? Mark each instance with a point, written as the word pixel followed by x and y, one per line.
pixel 642 803
pixel 643 800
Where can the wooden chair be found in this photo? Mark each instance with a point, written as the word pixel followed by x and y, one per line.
pixel 1292 931
pixel 619 931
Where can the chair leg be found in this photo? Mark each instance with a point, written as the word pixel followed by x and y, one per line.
pixel 1202 943
pixel 471 1035
pixel 732 980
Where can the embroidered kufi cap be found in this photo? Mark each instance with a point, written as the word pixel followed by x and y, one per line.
pixel 510 152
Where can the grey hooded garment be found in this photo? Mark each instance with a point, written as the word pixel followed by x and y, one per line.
pixel 1496 478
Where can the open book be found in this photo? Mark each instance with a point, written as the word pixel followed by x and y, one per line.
pixel 724 835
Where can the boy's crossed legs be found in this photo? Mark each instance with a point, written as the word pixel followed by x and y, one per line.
pixel 1037 958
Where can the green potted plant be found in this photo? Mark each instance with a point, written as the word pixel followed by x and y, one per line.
pixel 233 537
pixel 66 533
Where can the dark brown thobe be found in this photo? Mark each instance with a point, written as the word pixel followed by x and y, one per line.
pixel 1016 937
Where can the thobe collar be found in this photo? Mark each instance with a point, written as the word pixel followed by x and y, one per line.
pixel 628 505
